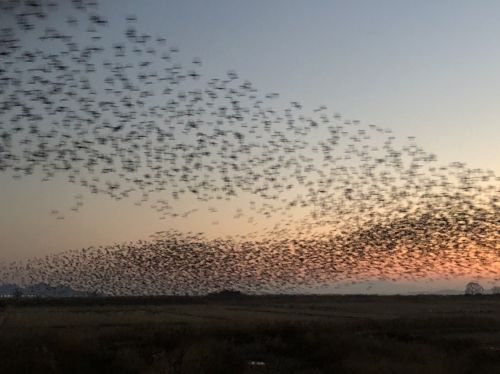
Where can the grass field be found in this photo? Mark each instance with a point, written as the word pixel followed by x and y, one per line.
pixel 255 334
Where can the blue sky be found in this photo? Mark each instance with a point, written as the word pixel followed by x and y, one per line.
pixel 421 68
pixel 426 68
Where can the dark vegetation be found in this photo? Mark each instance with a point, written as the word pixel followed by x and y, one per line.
pixel 459 341
pixel 409 346
pixel 227 295
pixel 224 295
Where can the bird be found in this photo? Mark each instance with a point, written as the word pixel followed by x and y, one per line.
pixel 351 203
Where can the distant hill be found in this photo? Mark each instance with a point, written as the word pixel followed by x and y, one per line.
pixel 226 294
pixel 438 292
pixel 8 289
pixel 43 290
pixel 448 292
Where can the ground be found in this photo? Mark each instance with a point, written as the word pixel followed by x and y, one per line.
pixel 252 334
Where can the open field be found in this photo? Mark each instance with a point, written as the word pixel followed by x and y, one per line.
pixel 257 334
pixel 124 312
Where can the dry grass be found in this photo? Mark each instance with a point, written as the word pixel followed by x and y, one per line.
pixel 284 334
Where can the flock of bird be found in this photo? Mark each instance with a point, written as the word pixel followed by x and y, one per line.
pixel 124 118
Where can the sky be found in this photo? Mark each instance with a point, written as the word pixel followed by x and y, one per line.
pixel 427 69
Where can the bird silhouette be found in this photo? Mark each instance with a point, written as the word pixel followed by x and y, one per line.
pixel 125 119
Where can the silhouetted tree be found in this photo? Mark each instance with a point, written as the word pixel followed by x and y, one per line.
pixel 17 293
pixel 495 290
pixel 473 288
